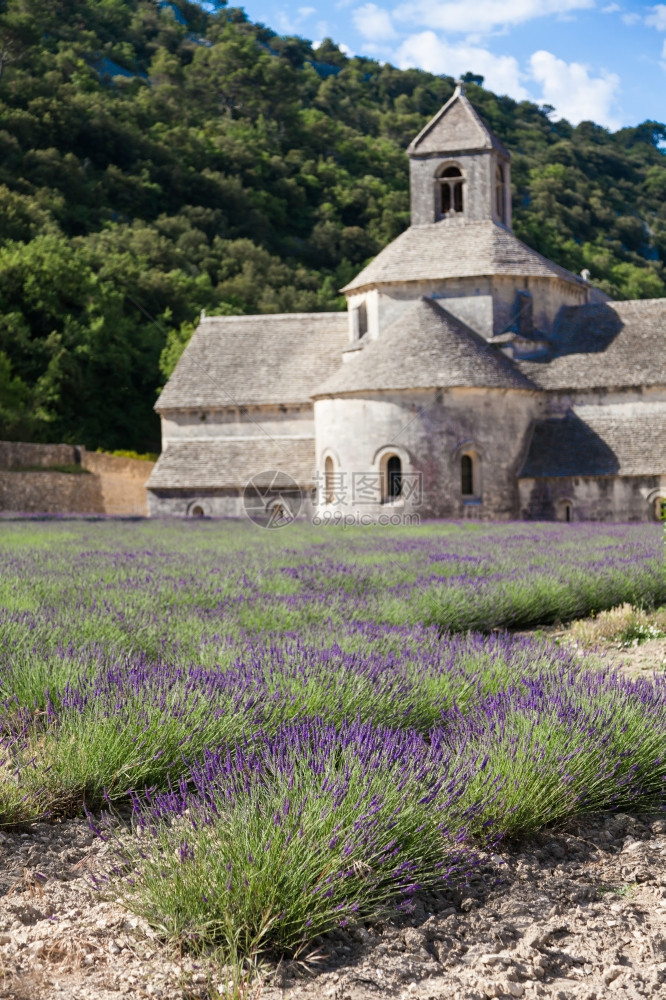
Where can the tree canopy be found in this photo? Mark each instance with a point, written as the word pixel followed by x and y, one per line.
pixel 156 160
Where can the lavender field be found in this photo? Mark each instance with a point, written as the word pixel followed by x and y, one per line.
pixel 311 726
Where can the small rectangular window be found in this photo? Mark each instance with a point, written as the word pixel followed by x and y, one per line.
pixel 362 319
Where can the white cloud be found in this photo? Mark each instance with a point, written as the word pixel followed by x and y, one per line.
pixel 657 19
pixel 483 15
pixel 374 23
pixel 631 19
pixel 611 8
pixel 573 92
pixel 436 55
pixel 290 24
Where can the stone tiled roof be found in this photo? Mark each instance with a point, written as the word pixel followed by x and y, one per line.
pixel 232 463
pixel 611 344
pixel 457 126
pixel 244 360
pixel 455 248
pixel 426 347
pixel 606 440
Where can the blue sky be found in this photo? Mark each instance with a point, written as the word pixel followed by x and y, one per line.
pixel 590 59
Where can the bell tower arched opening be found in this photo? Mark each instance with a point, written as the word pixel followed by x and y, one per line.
pixel 449 197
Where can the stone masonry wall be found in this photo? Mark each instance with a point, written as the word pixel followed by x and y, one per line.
pixel 50 493
pixel 110 485
pixel 429 430
pixel 122 482
pixel 591 498
pixel 14 454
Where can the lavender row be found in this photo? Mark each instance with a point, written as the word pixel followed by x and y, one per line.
pixel 319 824
pixel 175 588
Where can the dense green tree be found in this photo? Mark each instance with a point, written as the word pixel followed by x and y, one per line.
pixel 157 159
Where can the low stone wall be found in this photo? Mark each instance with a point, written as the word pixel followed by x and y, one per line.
pixel 14 454
pixel 50 493
pixel 109 485
pixel 122 481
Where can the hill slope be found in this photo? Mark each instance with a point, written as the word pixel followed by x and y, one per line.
pixel 155 160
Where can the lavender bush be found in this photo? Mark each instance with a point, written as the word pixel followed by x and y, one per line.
pixel 295 833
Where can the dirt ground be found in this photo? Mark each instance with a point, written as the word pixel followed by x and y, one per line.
pixel 604 635
pixel 577 913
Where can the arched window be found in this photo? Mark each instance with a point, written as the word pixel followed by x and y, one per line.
pixel 500 201
pixel 329 480
pixel 392 479
pixel 467 476
pixel 450 192
pixel 565 510
pixel 196 511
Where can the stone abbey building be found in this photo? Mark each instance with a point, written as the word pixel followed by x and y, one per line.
pixel 470 376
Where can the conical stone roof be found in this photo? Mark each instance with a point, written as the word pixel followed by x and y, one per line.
pixel 456 249
pixel 426 347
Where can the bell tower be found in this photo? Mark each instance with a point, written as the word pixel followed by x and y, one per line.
pixel 458 170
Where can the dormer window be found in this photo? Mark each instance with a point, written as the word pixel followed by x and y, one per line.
pixel 450 192
pixel 500 198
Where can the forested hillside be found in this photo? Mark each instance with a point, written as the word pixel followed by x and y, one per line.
pixel 156 161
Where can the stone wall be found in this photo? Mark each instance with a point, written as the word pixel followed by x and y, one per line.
pixel 429 431
pixel 17 454
pixel 109 485
pixel 218 503
pixel 591 498
pixel 50 493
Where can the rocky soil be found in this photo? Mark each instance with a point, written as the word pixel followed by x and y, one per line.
pixel 577 913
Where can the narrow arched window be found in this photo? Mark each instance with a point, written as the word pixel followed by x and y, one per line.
pixel 500 203
pixel 564 511
pixel 450 192
pixel 393 483
pixel 467 476
pixel 329 481
pixel 197 511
